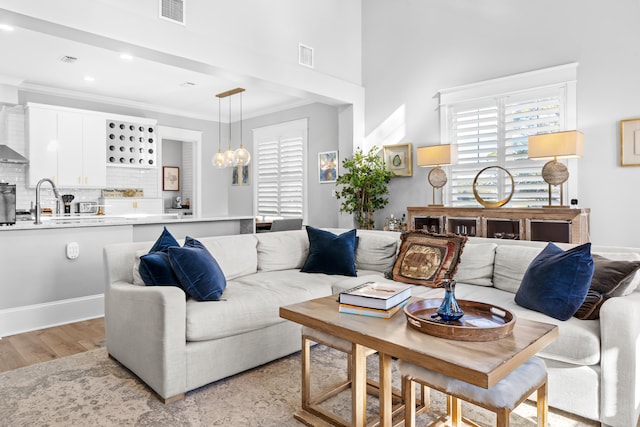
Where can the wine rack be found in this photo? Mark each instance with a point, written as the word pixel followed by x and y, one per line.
pixel 131 144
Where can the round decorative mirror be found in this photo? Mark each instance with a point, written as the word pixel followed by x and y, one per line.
pixel 488 183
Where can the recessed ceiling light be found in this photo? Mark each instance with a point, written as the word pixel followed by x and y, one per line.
pixel 89 79
pixel 126 56
pixel 5 27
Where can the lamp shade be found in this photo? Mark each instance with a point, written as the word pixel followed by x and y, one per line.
pixel 560 145
pixel 437 155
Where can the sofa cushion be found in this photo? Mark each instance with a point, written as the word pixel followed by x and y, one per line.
pixel 476 264
pixel 225 250
pixel 426 259
pixel 578 342
pixel 376 250
pixel 283 250
pixel 557 281
pixel 610 279
pixel 253 302
pixel 510 264
pixel 330 253
pixel 197 271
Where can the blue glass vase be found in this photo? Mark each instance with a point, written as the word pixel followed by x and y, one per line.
pixel 449 309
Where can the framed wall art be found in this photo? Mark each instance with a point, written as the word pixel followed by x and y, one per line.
pixel 328 166
pixel 240 175
pixel 170 178
pixel 630 142
pixel 398 158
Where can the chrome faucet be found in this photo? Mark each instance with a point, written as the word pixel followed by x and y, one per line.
pixel 55 192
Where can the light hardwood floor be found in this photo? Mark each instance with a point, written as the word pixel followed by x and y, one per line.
pixel 34 347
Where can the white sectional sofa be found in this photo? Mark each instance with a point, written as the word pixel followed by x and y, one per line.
pixel 176 344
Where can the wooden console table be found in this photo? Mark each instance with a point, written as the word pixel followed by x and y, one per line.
pixel 564 225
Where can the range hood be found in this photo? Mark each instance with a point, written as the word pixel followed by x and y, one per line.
pixel 8 155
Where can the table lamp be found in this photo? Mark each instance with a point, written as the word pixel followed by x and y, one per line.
pixel 554 146
pixel 437 155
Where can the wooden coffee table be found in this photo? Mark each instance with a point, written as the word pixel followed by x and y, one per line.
pixel 479 363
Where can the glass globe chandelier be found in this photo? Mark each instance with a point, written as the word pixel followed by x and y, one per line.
pixel 230 157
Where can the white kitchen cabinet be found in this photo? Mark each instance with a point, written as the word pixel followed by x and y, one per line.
pixel 66 146
pixel 132 206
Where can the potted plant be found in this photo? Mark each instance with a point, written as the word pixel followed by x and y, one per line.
pixel 364 185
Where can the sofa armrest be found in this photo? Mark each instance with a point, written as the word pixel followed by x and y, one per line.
pixel 620 360
pixel 146 332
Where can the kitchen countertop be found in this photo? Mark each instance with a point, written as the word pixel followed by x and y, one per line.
pixel 75 221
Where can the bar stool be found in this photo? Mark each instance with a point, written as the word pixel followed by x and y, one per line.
pixel 311 404
pixel 502 398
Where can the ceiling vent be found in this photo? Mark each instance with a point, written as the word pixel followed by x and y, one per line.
pixel 305 55
pixel 68 59
pixel 172 10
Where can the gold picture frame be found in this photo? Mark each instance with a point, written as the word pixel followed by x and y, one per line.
pixel 399 158
pixel 630 142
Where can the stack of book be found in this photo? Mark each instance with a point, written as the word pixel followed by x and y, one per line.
pixel 375 299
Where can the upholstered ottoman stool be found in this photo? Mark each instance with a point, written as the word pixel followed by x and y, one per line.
pixel 502 398
pixel 311 404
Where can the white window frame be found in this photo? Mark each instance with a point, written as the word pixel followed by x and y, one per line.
pixel 563 77
pixel 280 131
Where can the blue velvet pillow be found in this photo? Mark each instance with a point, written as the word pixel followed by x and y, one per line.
pixel 165 241
pixel 155 268
pixel 330 253
pixel 197 271
pixel 556 282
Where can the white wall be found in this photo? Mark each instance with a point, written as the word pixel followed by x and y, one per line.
pixel 413 48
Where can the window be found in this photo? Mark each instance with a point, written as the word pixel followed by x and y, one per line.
pixel 280 159
pixel 490 123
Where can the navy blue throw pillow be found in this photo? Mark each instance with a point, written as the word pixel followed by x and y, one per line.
pixel 155 268
pixel 556 282
pixel 330 253
pixel 197 271
pixel 165 241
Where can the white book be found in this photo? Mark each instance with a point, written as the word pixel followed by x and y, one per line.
pixel 380 295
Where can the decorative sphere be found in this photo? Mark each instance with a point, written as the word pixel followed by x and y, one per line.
pixel 229 158
pixel 437 177
pixel 218 160
pixel 242 156
pixel 555 173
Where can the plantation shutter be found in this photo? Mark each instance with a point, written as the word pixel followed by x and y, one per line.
pixel 494 132
pixel 280 170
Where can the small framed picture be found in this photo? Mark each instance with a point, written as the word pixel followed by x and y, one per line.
pixel 240 175
pixel 398 159
pixel 630 142
pixel 170 178
pixel 327 166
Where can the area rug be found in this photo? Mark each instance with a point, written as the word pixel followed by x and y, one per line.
pixel 90 389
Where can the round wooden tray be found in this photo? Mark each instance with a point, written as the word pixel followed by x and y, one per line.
pixel 481 322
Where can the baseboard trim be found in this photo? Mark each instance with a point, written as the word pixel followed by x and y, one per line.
pixel 38 316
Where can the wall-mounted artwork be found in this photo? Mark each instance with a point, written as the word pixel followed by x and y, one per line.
pixel 170 178
pixel 398 159
pixel 630 142
pixel 240 175
pixel 328 166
